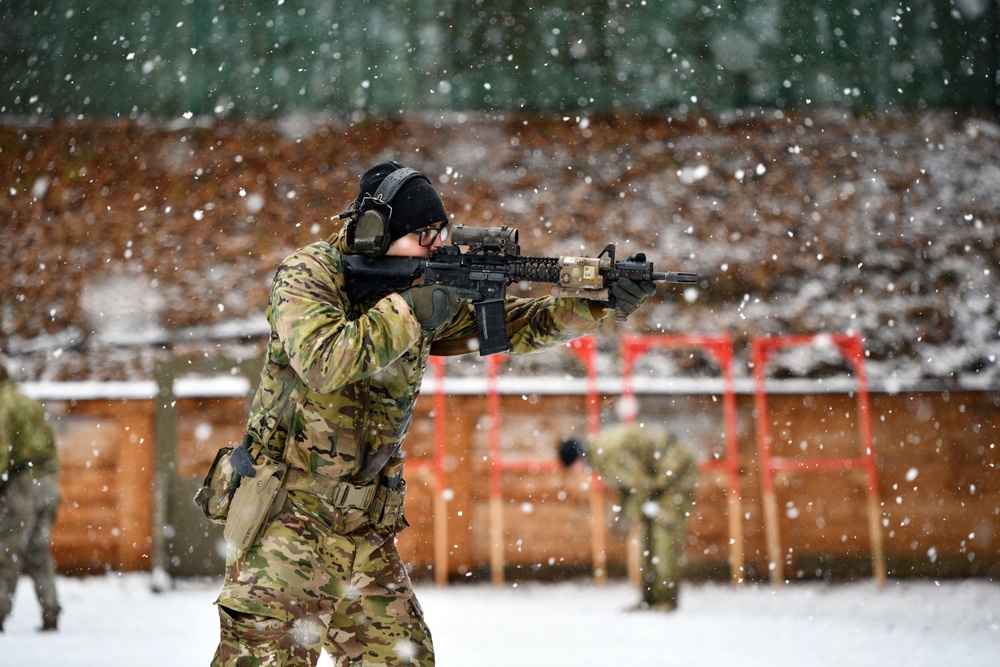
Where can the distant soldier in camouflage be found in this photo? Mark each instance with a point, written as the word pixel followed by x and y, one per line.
pixel 335 401
pixel 655 476
pixel 29 499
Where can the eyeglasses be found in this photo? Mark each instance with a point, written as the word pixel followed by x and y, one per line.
pixel 431 234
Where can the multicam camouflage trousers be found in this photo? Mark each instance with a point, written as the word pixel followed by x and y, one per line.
pixel 28 508
pixel 661 541
pixel 304 587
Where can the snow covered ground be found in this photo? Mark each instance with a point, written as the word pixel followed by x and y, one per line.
pixel 117 620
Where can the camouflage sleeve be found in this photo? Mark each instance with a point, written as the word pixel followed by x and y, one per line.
pixel 534 325
pixel 327 345
pixel 541 324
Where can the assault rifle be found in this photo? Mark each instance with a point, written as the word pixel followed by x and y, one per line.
pixel 494 261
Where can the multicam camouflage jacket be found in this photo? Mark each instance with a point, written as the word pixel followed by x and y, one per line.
pixel 644 463
pixel 340 380
pixel 27 442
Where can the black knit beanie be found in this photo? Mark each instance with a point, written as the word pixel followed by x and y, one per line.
pixel 417 204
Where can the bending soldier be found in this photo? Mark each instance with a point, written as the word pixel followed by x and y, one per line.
pixel 655 476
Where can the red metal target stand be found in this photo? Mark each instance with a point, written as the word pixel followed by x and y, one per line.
pixel 720 348
pixel 585 349
pixel 852 348
pixel 435 467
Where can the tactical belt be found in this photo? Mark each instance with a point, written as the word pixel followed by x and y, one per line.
pixel 343 495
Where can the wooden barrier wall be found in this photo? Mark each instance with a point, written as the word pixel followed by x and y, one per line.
pixel 937 453
pixel 106 476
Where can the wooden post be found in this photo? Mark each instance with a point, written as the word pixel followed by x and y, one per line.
pixel 853 348
pixel 440 477
pixel 875 531
pixel 776 564
pixel 586 350
pixel 440 538
pixel 598 529
pixel 737 567
pixel 496 540
pixel 496 483
pixel 721 347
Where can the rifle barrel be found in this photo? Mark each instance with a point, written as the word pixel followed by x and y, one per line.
pixel 675 276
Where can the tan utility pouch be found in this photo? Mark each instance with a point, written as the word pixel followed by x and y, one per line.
pixel 386 512
pixel 257 499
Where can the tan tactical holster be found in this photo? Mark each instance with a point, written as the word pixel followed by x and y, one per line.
pixel 257 500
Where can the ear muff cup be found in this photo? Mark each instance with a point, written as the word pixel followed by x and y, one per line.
pixel 369 234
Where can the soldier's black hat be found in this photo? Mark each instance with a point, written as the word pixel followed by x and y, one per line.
pixel 416 205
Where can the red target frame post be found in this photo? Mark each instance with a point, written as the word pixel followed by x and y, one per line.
pixel 585 349
pixel 851 347
pixel 435 467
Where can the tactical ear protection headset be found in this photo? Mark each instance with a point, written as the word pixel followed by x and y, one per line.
pixel 368 227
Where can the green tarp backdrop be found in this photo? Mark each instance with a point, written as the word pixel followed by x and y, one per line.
pixel 63 58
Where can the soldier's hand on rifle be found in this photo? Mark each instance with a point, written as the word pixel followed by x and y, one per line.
pixel 627 295
pixel 433 305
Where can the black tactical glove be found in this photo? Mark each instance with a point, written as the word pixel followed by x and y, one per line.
pixel 433 305
pixel 626 295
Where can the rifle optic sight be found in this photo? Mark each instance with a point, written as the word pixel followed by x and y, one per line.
pixel 487 239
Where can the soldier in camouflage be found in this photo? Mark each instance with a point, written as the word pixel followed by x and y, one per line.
pixel 655 476
pixel 335 401
pixel 29 499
